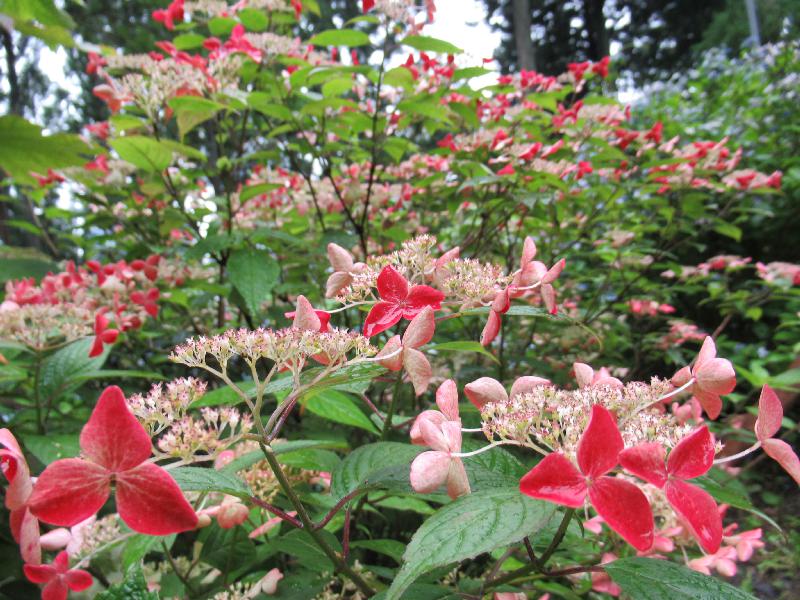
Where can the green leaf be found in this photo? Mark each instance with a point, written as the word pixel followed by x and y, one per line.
pixel 134 587
pixel 382 464
pixel 728 229
pixel 138 546
pixel 121 374
pixel 197 479
pixel 190 111
pixel 221 26
pixel 299 544
pixel 429 44
pixel 253 19
pixel 338 407
pixel 340 37
pixel 278 449
pixel 25 149
pixel 18 265
pixel 471 525
pixel 143 152
pixel 62 371
pixel 253 273
pixel 465 346
pixel 493 468
pixel 49 448
pixel 652 579
pixel 188 41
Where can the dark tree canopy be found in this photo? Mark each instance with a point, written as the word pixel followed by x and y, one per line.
pixel 655 37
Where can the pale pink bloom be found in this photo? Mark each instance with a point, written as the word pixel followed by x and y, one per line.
pixel 403 353
pixel 712 376
pixel 266 585
pixel 595 525
pixel 24 526
pixel 587 376
pixel 229 513
pixel 485 389
pixel 447 401
pixel 430 470
pixel 746 543
pixel 723 562
pixel 688 411
pixel 343 270
pixel 70 539
pixel 268 525
pixel 510 596
pixel 601 581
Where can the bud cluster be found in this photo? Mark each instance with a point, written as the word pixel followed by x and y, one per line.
pixel 287 348
pixel 553 418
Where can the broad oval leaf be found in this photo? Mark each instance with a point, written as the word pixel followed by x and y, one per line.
pixel 340 37
pixel 652 579
pixel 382 464
pixel 197 479
pixel 472 525
pixel 64 370
pixel 253 273
pixel 429 44
pixel 338 407
pixel 143 152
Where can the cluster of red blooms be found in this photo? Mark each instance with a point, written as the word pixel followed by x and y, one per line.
pixel 121 293
pixel 115 453
pixel 624 460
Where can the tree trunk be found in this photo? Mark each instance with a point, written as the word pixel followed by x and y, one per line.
pixel 522 35
pixel 595 23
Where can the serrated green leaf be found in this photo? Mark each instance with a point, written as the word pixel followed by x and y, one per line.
pixel 253 273
pixel 197 479
pixel 471 525
pixel 143 152
pixel 382 464
pixel 25 149
pixel 652 579
pixel 61 372
pixel 134 587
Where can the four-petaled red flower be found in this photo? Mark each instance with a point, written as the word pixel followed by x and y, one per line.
pixel 623 506
pixel 692 457
pixel 148 300
pixel 102 334
pixel 58 578
pixel 398 301
pixel 117 449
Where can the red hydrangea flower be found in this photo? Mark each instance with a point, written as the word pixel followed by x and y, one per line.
pixel 24 526
pixel 102 334
pixel 398 301
pixel 623 506
pixel 148 300
pixel 692 457
pixel 770 415
pixel 58 578
pixel 168 16
pixel 117 449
